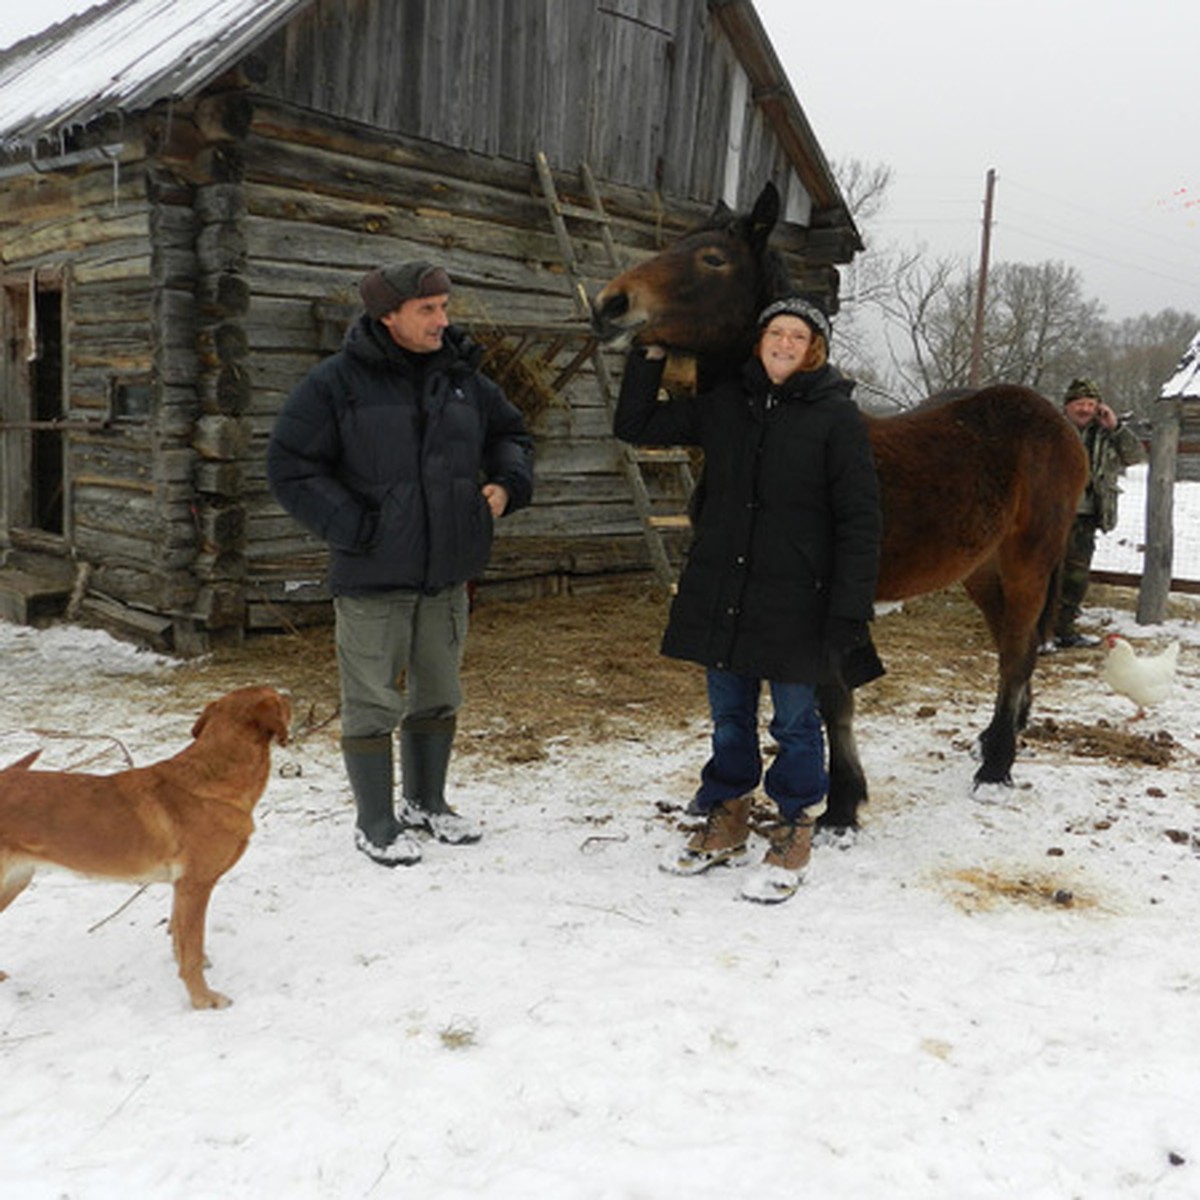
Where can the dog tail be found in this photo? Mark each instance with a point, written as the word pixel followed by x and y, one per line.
pixel 22 764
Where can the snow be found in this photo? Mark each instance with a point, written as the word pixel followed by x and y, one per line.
pixel 135 53
pixel 548 1015
pixel 1186 380
pixel 23 18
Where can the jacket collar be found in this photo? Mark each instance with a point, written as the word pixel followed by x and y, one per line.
pixel 370 342
pixel 802 385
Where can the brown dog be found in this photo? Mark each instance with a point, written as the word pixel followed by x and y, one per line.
pixel 184 821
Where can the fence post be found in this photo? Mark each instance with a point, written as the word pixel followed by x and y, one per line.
pixel 1160 523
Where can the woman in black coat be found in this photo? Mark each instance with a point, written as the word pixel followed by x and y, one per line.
pixel 780 577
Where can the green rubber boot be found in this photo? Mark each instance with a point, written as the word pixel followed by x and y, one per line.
pixel 369 766
pixel 425 746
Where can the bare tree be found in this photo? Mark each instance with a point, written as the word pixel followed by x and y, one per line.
pixel 1131 359
pixel 864 186
pixel 1035 317
pixel 916 313
pixel 1037 320
pixel 927 328
pixel 866 282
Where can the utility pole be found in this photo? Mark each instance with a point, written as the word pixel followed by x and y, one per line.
pixel 976 369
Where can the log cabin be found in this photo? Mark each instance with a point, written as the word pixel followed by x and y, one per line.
pixel 191 189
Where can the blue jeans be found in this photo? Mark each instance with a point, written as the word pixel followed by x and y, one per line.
pixel 797 779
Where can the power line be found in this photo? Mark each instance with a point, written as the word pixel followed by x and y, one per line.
pixel 1092 212
pixel 1116 262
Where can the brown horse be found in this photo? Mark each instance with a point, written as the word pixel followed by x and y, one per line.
pixel 980 489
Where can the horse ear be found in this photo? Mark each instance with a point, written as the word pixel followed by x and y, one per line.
pixel 764 215
pixel 720 216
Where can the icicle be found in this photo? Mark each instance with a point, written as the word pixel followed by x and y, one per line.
pixel 114 157
pixel 31 330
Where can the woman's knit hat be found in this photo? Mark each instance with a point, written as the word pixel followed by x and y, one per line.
pixel 384 289
pixel 807 308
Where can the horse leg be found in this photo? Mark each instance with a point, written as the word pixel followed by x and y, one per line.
pixel 1012 609
pixel 847 781
pixel 1049 615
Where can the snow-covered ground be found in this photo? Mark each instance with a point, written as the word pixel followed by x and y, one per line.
pixel 974 1001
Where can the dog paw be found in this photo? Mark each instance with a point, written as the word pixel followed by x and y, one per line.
pixel 210 999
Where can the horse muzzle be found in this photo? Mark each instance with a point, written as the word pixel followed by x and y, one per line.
pixel 613 321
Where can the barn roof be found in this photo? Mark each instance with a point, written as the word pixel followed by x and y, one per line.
pixel 1185 383
pixel 122 56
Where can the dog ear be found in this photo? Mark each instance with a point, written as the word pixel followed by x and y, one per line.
pixel 202 719
pixel 274 713
pixel 23 763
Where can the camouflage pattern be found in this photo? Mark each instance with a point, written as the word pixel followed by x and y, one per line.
pixel 1079 388
pixel 1076 568
pixel 1109 453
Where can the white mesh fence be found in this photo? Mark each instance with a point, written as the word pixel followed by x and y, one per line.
pixel 1122 550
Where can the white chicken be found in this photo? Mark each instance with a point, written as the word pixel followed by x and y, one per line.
pixel 1146 679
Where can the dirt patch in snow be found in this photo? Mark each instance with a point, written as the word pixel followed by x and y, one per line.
pixel 979 890
pixel 1103 740
pixel 587 667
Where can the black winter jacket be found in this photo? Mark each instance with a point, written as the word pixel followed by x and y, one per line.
pixel 787 526
pixel 382 454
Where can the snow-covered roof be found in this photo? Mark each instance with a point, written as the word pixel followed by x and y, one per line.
pixel 124 55
pixel 1186 380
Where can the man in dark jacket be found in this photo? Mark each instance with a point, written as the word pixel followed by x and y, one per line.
pixel 779 582
pixel 401 455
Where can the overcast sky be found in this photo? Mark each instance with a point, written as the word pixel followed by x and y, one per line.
pixel 1087 109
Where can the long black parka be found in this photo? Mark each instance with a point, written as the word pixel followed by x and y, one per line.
pixel 787 526
pixel 382 455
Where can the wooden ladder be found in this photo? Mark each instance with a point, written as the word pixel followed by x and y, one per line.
pixel 656 524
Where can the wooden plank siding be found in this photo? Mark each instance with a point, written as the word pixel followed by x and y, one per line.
pixel 638 88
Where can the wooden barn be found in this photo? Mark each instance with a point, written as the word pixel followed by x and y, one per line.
pixel 190 190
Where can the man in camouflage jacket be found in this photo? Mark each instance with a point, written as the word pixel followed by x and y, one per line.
pixel 1111 447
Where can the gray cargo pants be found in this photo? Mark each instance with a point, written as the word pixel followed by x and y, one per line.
pixel 399 655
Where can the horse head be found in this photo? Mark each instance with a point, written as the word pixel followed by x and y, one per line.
pixel 703 293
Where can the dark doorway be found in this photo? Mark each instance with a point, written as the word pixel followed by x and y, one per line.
pixel 32 407
pixel 46 395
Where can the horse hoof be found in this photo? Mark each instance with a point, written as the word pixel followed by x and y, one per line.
pixel 840 837
pixel 996 794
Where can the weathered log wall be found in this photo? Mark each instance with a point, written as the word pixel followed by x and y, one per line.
pixel 369 201
pixel 125 259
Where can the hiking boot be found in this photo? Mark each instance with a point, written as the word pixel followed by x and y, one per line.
pixel 401 851
pixel 1076 641
pixel 721 839
pixel 783 866
pixel 443 822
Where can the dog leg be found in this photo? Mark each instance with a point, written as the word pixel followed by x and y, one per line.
pixel 187 935
pixel 14 879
